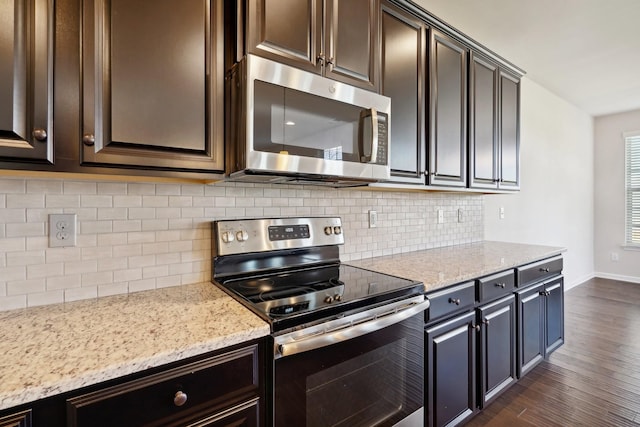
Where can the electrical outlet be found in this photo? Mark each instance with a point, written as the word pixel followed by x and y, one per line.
pixel 460 215
pixel 614 256
pixel 373 219
pixel 501 212
pixel 440 216
pixel 62 230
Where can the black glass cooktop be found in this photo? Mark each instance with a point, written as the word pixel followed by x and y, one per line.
pixel 301 296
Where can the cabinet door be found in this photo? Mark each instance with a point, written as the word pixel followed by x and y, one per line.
pixel 509 132
pixel 483 123
pixel 448 112
pixel 351 41
pixel 554 311
pixel 153 84
pixel 403 80
pixel 26 80
pixel 288 31
pixel 530 328
pixel 497 348
pixel 20 419
pixel 450 371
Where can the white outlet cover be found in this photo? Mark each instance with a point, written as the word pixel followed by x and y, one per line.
pixel 62 230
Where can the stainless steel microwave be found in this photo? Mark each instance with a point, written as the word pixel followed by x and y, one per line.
pixel 289 125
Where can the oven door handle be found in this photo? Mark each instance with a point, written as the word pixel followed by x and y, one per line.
pixel 323 339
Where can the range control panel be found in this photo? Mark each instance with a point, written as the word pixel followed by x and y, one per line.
pixel 262 235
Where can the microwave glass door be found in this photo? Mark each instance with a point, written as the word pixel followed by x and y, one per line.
pixel 293 122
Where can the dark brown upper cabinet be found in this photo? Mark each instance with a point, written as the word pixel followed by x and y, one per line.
pixel 403 79
pixel 338 39
pixel 152 84
pixel 26 81
pixel 509 131
pixel 447 111
pixel 483 123
pixel 494 142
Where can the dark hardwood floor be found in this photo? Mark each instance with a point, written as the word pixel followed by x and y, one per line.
pixel 594 378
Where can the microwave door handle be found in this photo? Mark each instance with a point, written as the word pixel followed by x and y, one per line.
pixel 321 339
pixel 371 155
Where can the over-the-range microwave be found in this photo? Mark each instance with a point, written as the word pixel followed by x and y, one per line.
pixel 286 125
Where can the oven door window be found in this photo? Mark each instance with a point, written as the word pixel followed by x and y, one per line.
pixel 372 380
pixel 298 123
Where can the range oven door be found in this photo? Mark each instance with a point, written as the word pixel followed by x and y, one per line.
pixel 367 377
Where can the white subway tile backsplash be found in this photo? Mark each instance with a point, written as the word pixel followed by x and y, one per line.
pixel 45 298
pixel 76 294
pixel 142 188
pixel 96 201
pixel 67 281
pixel 137 236
pixel 13 302
pixel 24 287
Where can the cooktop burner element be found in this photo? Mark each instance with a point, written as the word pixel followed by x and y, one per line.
pixel 288 271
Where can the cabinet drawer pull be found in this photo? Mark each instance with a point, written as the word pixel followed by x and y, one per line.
pixel 40 134
pixel 545 293
pixel 475 327
pixel 455 301
pixel 544 270
pixel 501 285
pixel 485 321
pixel 88 139
pixel 180 398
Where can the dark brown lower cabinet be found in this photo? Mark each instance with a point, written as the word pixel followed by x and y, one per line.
pixel 540 322
pixel 18 419
pixel 497 348
pixel 481 336
pixel 217 391
pixel 450 370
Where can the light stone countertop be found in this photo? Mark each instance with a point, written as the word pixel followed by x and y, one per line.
pixel 58 348
pixel 441 267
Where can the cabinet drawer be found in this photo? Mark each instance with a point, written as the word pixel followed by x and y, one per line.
pixel 451 300
pixel 537 271
pixel 210 385
pixel 496 285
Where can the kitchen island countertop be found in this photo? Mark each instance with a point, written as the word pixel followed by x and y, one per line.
pixel 59 348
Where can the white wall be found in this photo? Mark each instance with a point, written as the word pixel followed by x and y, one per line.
pixel 555 204
pixel 610 197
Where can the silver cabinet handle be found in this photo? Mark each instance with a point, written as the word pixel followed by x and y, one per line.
pixel 88 139
pixel 180 398
pixel 40 134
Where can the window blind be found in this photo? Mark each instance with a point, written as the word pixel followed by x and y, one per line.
pixel 632 168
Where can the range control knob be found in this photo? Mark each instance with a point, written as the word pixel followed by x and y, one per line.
pixel 328 299
pixel 337 230
pixel 242 235
pixel 227 237
pixel 328 231
pixel 337 297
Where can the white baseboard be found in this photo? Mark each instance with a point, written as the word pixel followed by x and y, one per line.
pixel 579 281
pixel 620 277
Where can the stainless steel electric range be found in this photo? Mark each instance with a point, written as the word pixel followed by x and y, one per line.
pixel 348 343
